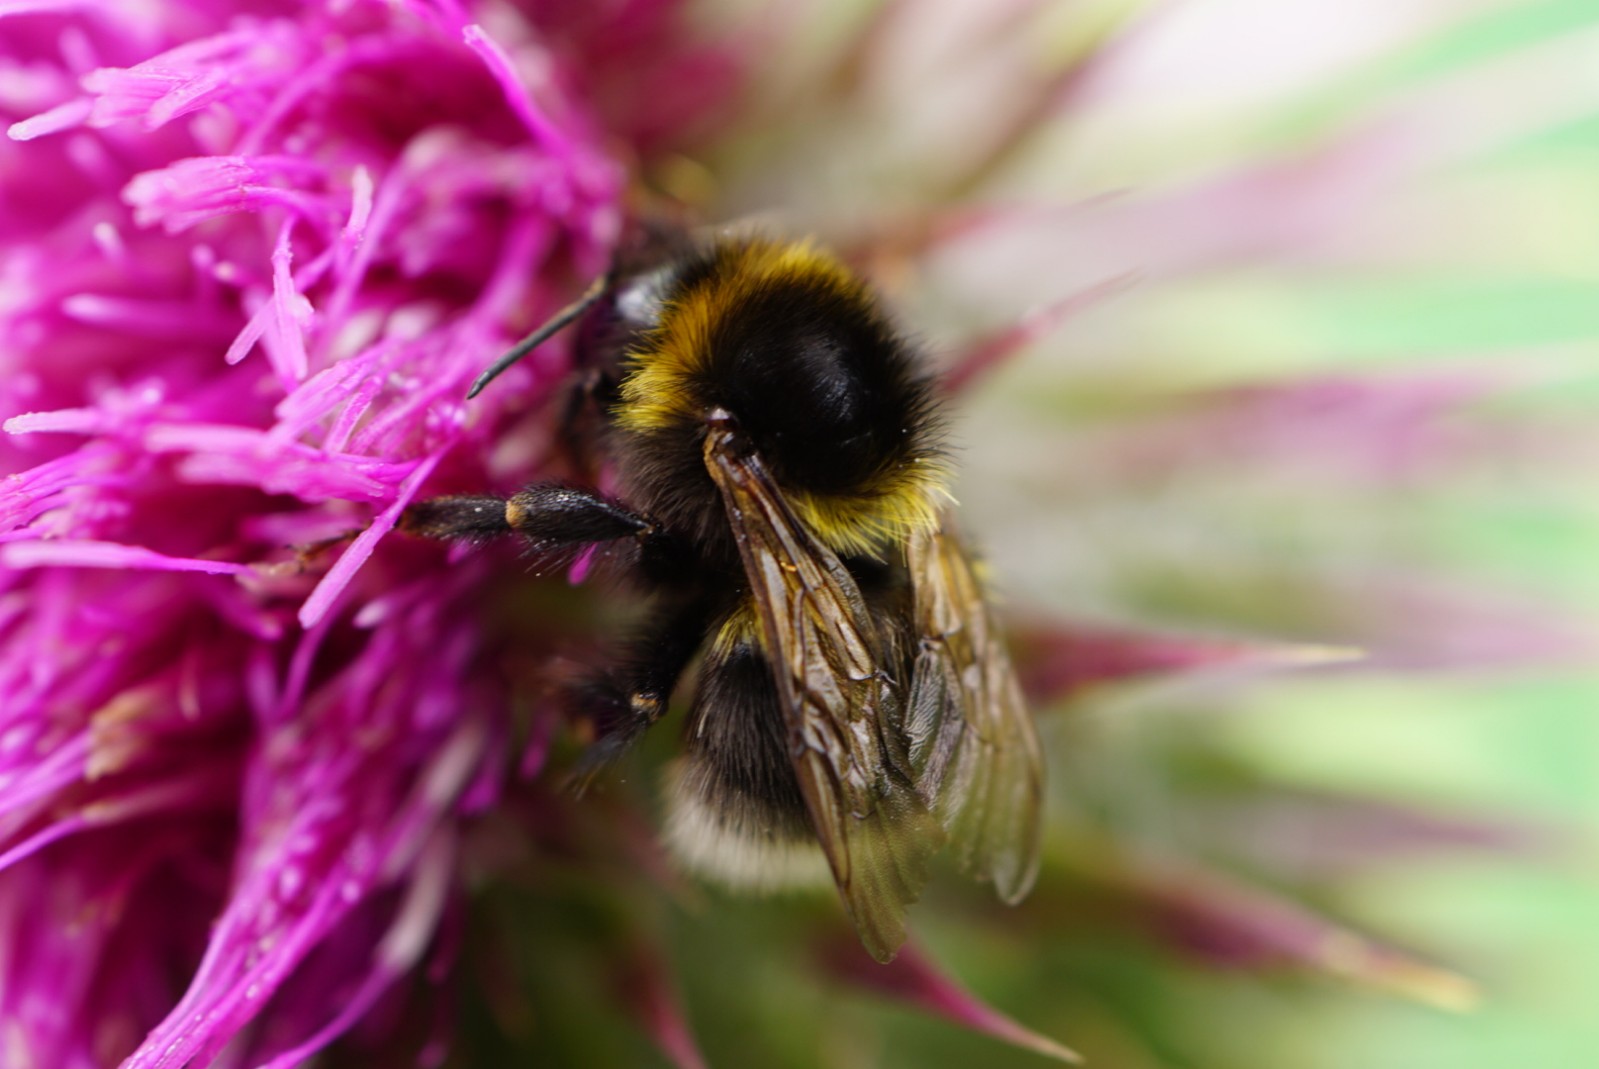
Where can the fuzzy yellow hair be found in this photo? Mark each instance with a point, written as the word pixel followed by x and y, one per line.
pixel 657 392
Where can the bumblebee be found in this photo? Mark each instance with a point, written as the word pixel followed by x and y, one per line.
pixel 782 496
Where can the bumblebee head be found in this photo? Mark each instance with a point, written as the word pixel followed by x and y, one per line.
pixel 794 346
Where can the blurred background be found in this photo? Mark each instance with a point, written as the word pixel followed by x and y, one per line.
pixel 1277 330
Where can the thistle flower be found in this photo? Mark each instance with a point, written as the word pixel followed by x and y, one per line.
pixel 272 778
pixel 252 257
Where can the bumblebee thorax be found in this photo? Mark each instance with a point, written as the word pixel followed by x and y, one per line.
pixel 792 345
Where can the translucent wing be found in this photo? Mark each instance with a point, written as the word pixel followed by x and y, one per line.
pixel 974 752
pixel 872 824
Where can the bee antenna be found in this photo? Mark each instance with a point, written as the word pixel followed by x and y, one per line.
pixel 554 326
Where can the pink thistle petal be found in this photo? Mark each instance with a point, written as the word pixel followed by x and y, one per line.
pixel 61 421
pixel 215 453
pixel 175 794
pixel 1233 924
pixel 328 826
pixel 1374 428
pixel 499 64
pixel 189 192
pixel 327 591
pixel 1322 833
pixel 360 208
pixel 1057 661
pixel 652 996
pixel 399 951
pixel 912 979
pixel 241 345
pixel 86 554
pixel 149 318
pixel 64 934
pixel 64 766
pixel 582 566
pixel 985 355
pixel 193 75
pixel 32 7
pixel 541 736
pixel 1426 623
pixel 284 332
pixel 61 117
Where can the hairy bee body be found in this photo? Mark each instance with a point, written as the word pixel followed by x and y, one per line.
pixel 777 445
pixel 794 347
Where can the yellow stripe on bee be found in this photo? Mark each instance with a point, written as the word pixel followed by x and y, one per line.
pixel 743 628
pixel 907 501
pixel 657 391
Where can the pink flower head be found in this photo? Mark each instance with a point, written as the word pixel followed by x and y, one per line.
pixel 251 255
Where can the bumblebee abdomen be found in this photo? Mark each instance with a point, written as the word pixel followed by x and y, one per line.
pixel 735 812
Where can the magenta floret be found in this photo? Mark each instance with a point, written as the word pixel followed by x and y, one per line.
pixel 249 263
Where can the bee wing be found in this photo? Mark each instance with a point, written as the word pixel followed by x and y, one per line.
pixel 973 749
pixel 873 826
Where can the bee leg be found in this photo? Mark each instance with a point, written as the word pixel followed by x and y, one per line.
pixel 558 523
pixel 547 514
pixel 460 517
pixel 623 702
